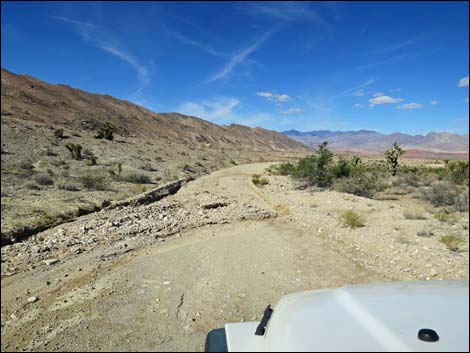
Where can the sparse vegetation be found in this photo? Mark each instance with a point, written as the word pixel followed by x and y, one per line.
pixel 68 186
pixel 444 216
pixel 447 194
pixel 352 220
pixel 105 132
pixel 258 180
pixel 135 178
pixel 90 157
pixel 425 233
pixel 43 180
pixel 75 150
pixel 452 242
pixel 94 182
pixel 59 133
pixel 413 214
pixel 147 167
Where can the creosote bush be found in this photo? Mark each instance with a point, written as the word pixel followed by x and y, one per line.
pixel 352 220
pixel 258 180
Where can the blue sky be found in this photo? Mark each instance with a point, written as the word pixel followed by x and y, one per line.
pixel 286 65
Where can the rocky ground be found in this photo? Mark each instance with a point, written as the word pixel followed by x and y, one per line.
pixel 160 276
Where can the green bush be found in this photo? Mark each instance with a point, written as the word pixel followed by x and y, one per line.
pixel 352 219
pixel 458 172
pixel 445 216
pixel 341 169
pixel 365 185
pixel 105 132
pixel 258 180
pixel 94 182
pixel 452 242
pixel 315 169
pixel 285 169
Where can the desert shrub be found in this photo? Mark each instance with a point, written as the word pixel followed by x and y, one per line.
pixel 32 186
pixel 392 156
pixel 135 178
pixel 233 162
pixel 105 132
pixel 50 152
pixel 94 182
pixel 458 172
pixel 446 194
pixel 65 185
pixel 444 216
pixel 315 169
pixel 365 185
pixel 147 166
pixel 425 233
pixel 285 169
pixel 26 165
pixel 413 214
pixel 75 150
pixel 43 180
pixel 258 180
pixel 452 241
pixel 90 157
pixel 341 169
pixel 59 133
pixel 352 219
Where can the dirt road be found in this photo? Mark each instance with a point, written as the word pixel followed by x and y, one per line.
pixel 168 295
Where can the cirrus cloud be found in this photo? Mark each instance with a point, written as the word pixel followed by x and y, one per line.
pixel 291 111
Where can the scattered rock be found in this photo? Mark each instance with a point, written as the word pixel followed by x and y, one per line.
pixel 49 262
pixel 32 299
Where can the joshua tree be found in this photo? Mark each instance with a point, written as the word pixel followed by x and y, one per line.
pixel 392 156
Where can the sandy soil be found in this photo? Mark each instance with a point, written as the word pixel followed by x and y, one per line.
pixel 143 293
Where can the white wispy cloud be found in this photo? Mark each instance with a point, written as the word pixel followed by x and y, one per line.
pixel 395 47
pixel 378 94
pixel 287 11
pixel 410 106
pixel 359 105
pixel 275 97
pixel 434 102
pixel 217 108
pixel 239 57
pixel 359 93
pixel 103 39
pixel 383 100
pixel 353 90
pixel 291 111
pixel 463 82
pixel 222 110
pixel 190 41
pixel 395 90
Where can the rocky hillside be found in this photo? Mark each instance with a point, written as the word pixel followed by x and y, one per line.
pixel 366 141
pixel 28 98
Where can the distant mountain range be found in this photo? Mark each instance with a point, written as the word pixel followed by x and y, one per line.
pixel 438 144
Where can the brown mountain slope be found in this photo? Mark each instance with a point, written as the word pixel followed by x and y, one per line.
pixel 30 99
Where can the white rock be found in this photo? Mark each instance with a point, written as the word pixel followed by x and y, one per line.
pixel 49 262
pixel 32 299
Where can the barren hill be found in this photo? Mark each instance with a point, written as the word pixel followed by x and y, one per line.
pixel 28 98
